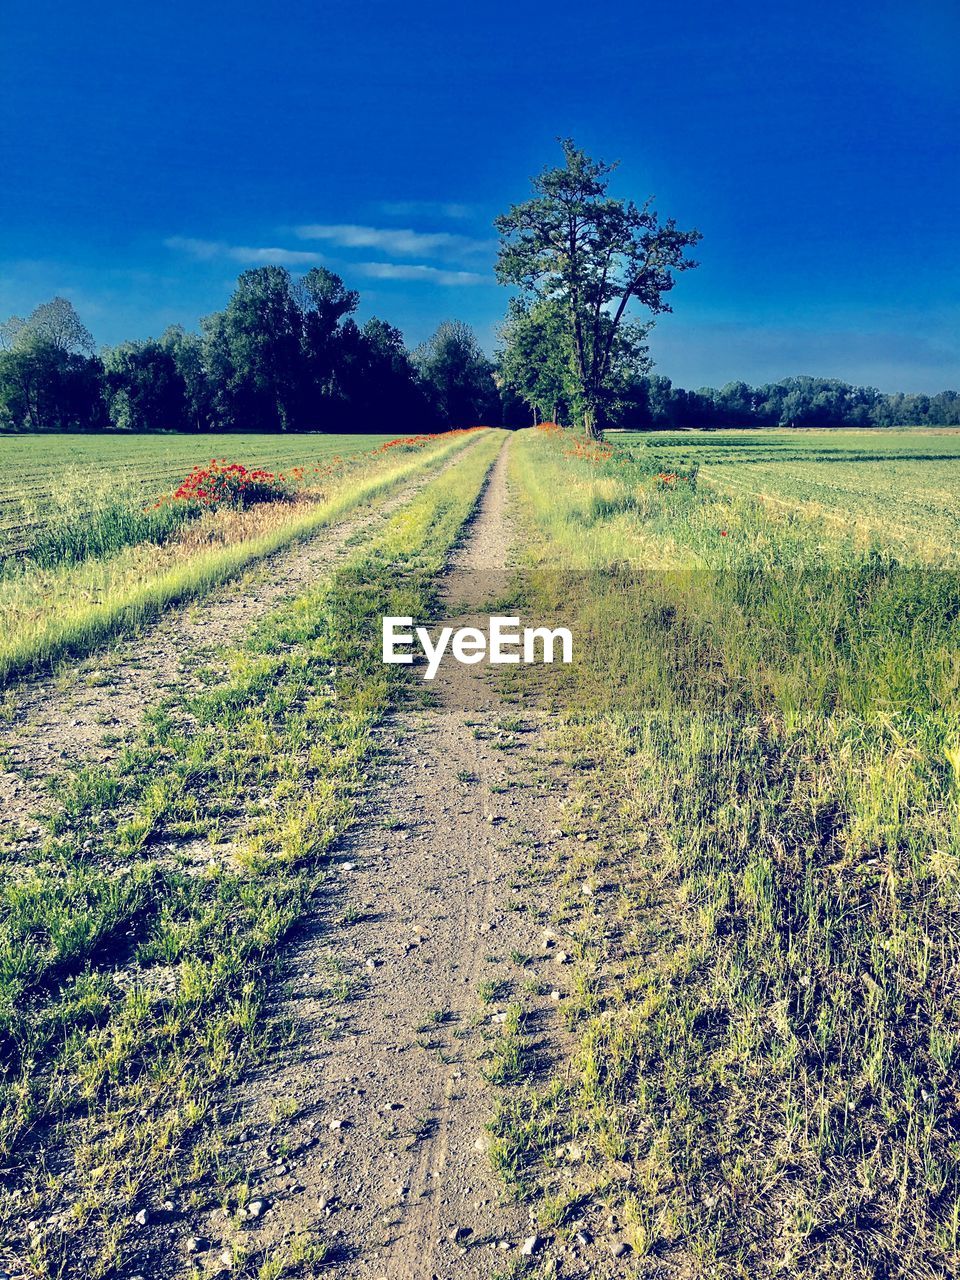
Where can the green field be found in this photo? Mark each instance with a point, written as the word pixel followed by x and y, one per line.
pixel 35 470
pixel 901 487
pixel 729 1041
pixel 763 1005
pixel 93 561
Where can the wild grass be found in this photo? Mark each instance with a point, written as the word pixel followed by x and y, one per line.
pixel 46 478
pixel 137 940
pixel 900 487
pixel 92 534
pixel 764 989
pixel 47 613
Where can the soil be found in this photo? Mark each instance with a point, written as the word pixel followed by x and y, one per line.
pixel 386 1145
pixel 370 1128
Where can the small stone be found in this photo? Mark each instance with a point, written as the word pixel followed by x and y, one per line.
pixel 336 1124
pixel 226 1258
pixel 198 1244
pixel 280 1170
pixel 142 1218
pixel 255 1208
pixel 460 1235
pixel 555 995
pixel 561 958
pixel 530 1246
pixel 583 1237
pixel 619 1247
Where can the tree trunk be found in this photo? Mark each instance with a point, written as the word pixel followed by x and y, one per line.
pixel 590 423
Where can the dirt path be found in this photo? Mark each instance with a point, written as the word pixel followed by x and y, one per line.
pixel 371 1129
pixel 83 716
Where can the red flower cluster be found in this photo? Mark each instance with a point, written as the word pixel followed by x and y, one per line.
pixel 549 427
pixel 666 479
pixel 418 442
pixel 590 451
pixel 232 484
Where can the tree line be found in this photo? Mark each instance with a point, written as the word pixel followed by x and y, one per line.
pixel 581 261
pixel 285 354
pixel 653 403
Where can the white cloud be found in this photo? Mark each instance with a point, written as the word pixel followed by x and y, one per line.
pixel 428 208
pixel 209 250
pixel 220 250
pixel 417 271
pixel 399 241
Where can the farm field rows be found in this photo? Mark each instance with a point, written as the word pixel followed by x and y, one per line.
pixel 762 909
pixel 653 955
pixel 901 487
pixel 93 573
pixel 44 474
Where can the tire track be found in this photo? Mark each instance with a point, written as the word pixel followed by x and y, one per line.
pixel 386 1147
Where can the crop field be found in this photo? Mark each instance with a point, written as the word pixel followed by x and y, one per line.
pixel 644 965
pixel 902 486
pixel 43 474
pixel 97 559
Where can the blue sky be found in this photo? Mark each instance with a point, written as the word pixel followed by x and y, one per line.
pixel 150 153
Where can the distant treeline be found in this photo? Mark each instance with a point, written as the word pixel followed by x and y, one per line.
pixel 283 355
pixel 286 354
pixel 654 403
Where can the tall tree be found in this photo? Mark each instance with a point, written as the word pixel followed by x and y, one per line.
pixel 325 304
pixel 54 325
pixel 595 255
pixel 253 352
pixel 379 383
pixel 145 390
pixel 187 352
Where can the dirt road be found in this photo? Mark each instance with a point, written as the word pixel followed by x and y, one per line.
pixel 379 1108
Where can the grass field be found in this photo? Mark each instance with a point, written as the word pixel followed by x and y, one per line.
pixel 763 752
pixel 60 603
pixel 903 487
pixel 725 1034
pixel 43 474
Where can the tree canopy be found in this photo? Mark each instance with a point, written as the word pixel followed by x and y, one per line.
pixel 593 255
pixel 285 354
pixel 460 377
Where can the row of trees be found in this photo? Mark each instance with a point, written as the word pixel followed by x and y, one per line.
pixel 654 403
pixel 286 354
pixel 283 355
pixel 582 261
